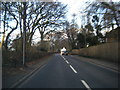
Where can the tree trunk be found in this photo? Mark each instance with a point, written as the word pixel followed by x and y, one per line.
pixel 4 26
pixel 6 41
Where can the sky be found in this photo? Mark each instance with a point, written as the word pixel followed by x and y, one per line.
pixel 74 7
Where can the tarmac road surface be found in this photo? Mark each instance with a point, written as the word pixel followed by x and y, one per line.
pixel 64 71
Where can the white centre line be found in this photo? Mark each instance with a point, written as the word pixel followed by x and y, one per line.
pixel 69 65
pixel 73 69
pixel 67 62
pixel 86 85
pixel 63 57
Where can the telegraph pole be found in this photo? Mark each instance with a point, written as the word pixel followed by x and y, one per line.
pixel 24 32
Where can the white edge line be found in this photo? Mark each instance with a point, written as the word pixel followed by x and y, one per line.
pixel 86 85
pixel 73 69
pixel 27 77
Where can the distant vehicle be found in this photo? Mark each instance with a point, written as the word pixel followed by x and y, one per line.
pixel 64 51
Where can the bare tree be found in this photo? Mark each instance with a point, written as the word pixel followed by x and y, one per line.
pixel 108 11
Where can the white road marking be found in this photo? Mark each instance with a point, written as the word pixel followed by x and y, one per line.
pixel 73 69
pixel 67 62
pixel 69 65
pixel 86 85
pixel 63 57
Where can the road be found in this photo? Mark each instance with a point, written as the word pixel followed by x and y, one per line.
pixel 68 72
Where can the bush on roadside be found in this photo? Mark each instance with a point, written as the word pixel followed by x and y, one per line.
pixel 15 58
